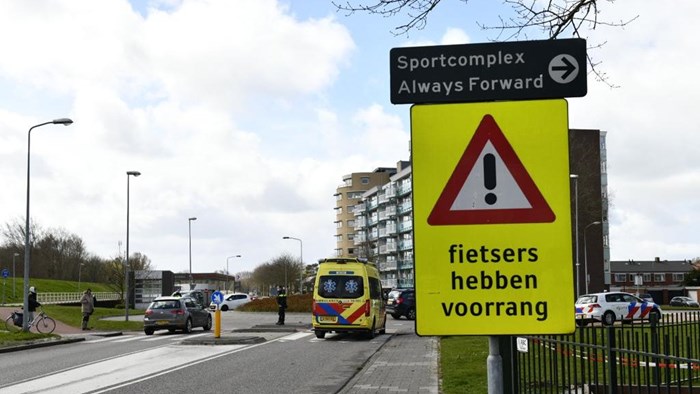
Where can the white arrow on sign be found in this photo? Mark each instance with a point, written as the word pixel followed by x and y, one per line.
pixel 563 68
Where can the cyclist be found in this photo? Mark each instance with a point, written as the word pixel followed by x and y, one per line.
pixel 33 304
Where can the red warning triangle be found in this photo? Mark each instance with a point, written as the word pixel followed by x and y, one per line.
pixel 460 204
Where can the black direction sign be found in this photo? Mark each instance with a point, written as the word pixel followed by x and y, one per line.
pixel 515 70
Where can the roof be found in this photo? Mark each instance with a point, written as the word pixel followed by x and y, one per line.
pixel 651 266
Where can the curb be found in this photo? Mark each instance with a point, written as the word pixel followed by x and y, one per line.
pixel 35 345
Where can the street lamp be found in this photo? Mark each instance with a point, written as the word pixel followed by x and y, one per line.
pixel 80 269
pixel 575 178
pixel 14 276
pixel 301 259
pixel 189 225
pixel 126 261
pixel 585 252
pixel 230 257
pixel 25 321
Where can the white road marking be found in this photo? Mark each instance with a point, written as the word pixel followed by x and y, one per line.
pixel 295 336
pixel 118 370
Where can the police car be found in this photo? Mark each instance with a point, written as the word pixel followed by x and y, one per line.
pixel 614 306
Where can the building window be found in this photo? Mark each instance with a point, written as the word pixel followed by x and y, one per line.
pixel 646 277
pixel 364 180
pixel 351 237
pixel 338 224
pixel 632 277
pixel 659 278
pixel 620 278
pixel 351 251
pixel 678 277
pixel 351 223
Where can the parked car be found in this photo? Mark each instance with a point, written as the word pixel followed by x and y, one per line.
pixel 614 306
pixel 232 301
pixel 684 301
pixel 175 313
pixel 401 302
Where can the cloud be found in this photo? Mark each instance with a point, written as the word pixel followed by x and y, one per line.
pixel 193 94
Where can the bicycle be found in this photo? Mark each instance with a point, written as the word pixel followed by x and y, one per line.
pixel 42 322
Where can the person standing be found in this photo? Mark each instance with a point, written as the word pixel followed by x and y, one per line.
pixel 87 306
pixel 281 304
pixel 33 304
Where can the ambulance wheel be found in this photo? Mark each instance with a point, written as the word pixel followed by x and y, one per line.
pixel 320 334
pixel 372 334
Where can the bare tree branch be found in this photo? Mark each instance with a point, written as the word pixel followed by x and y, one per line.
pixel 553 18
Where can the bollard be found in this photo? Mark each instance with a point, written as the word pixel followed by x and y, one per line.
pixel 217 322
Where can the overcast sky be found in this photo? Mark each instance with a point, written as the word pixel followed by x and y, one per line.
pixel 246 115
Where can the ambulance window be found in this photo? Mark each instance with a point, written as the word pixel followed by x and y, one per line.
pixel 341 286
pixel 375 289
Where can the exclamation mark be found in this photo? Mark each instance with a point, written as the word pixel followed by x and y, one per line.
pixel 490 177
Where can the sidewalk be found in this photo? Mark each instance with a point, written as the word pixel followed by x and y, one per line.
pixel 406 363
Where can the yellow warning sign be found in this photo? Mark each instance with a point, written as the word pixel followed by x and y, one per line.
pixel 492 218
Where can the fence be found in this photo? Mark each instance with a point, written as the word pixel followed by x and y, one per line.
pixel 74 297
pixel 639 357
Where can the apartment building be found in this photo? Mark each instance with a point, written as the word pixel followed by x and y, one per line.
pixel 347 195
pixel 384 228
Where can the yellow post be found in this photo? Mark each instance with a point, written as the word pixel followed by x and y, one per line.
pixel 217 323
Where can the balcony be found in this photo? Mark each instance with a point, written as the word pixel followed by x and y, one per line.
pixel 406 245
pixel 406 264
pixel 406 283
pixel 388 248
pixel 389 283
pixel 406 226
pixel 387 267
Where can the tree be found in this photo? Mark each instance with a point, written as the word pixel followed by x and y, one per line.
pixel 692 278
pixel 553 18
pixel 279 270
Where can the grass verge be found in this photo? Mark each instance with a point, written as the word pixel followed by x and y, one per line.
pixel 463 364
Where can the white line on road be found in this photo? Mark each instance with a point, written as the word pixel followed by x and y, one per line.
pixel 118 370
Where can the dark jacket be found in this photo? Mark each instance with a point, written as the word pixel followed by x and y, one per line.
pixel 33 303
pixel 282 299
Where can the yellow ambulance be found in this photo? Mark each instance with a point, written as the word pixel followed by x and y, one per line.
pixel 348 298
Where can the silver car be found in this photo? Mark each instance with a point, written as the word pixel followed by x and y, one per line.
pixel 175 313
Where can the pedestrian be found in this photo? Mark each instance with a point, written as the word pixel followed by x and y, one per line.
pixel 87 306
pixel 33 304
pixel 281 304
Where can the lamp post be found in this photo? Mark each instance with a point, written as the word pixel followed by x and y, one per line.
pixel 575 178
pixel 14 276
pixel 585 252
pixel 126 261
pixel 25 321
pixel 189 224
pixel 80 269
pixel 301 259
pixel 229 257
